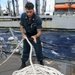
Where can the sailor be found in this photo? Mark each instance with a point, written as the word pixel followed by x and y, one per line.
pixel 31 24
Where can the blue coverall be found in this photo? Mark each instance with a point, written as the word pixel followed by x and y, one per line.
pixel 31 27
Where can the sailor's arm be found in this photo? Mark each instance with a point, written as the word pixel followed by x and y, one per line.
pixel 38 33
pixel 22 32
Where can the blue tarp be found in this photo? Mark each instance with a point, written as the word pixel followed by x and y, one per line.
pixel 60 45
pixel 57 45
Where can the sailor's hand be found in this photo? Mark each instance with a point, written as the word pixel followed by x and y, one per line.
pixel 34 38
pixel 23 36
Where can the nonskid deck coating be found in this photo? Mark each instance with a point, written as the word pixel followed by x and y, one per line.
pixel 14 63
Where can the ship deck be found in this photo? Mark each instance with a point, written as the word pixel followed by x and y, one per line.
pixel 66 67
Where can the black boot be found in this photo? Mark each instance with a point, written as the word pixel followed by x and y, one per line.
pixel 22 65
pixel 41 62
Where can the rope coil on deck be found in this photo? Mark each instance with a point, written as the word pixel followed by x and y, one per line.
pixel 40 70
pixel 36 69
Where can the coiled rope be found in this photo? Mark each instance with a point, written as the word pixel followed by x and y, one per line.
pixel 36 69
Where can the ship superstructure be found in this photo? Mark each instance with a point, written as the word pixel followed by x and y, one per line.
pixel 63 17
pixel 66 7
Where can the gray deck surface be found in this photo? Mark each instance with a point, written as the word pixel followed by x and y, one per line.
pixel 14 63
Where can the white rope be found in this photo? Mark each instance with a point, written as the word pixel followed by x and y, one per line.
pixel 12 53
pixel 36 69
